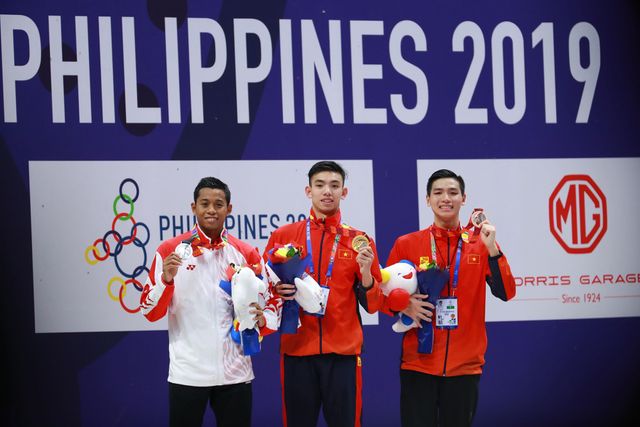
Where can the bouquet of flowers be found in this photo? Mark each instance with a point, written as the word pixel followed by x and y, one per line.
pixel 286 265
pixel 431 280
pixel 399 282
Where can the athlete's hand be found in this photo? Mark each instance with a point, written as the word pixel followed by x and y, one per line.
pixel 286 291
pixel 259 315
pixel 365 260
pixel 419 309
pixel 170 266
pixel 488 237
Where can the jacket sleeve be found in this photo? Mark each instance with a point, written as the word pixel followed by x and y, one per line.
pixel 270 244
pixel 371 298
pixel 156 294
pixel 394 257
pixel 272 312
pixel 273 303
pixel 500 279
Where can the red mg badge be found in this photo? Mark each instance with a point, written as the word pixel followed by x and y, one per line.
pixel 578 214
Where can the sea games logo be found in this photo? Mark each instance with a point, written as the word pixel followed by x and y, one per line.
pixel 125 243
pixel 578 214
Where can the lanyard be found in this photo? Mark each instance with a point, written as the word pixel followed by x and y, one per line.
pixel 457 264
pixel 332 257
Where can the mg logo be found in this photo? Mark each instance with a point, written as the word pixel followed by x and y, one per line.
pixel 578 214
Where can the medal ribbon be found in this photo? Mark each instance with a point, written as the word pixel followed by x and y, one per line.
pixel 334 249
pixel 199 243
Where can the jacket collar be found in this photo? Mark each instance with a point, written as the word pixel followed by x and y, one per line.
pixel 327 222
pixel 201 239
pixel 443 232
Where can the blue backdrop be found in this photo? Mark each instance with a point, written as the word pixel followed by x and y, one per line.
pixel 555 373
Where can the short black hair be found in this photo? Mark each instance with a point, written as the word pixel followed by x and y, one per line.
pixel 214 183
pixel 444 173
pixel 327 166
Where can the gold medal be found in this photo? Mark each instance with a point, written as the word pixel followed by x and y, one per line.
pixel 359 242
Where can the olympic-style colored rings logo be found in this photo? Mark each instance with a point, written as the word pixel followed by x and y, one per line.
pixel 101 249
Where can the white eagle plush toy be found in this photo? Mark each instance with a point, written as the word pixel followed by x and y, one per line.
pixel 308 292
pixel 245 290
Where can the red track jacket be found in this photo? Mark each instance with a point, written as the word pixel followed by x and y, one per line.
pixel 340 330
pixel 459 351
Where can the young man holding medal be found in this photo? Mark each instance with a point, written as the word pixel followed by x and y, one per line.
pixel 441 388
pixel 321 364
pixel 205 364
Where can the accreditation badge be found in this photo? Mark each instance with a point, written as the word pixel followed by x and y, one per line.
pixel 323 302
pixel 447 313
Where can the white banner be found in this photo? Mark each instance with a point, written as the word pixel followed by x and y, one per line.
pixel 96 225
pixel 566 226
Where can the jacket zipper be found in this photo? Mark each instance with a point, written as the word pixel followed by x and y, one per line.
pixel 446 350
pixel 320 282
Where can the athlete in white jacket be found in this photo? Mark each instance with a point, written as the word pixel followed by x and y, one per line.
pixel 205 363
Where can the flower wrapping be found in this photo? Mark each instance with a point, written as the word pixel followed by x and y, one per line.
pixel 430 282
pixel 287 263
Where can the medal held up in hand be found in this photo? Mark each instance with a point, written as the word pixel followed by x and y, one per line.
pixel 184 250
pixel 359 242
pixel 477 217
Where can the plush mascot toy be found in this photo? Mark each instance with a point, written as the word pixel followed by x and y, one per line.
pixel 399 282
pixel 308 293
pixel 245 289
pixel 287 265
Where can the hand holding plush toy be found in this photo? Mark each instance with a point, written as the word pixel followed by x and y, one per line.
pixel 399 282
pixel 245 290
pixel 308 293
pixel 286 265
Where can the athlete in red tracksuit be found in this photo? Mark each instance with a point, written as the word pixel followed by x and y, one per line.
pixel 321 364
pixel 441 388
